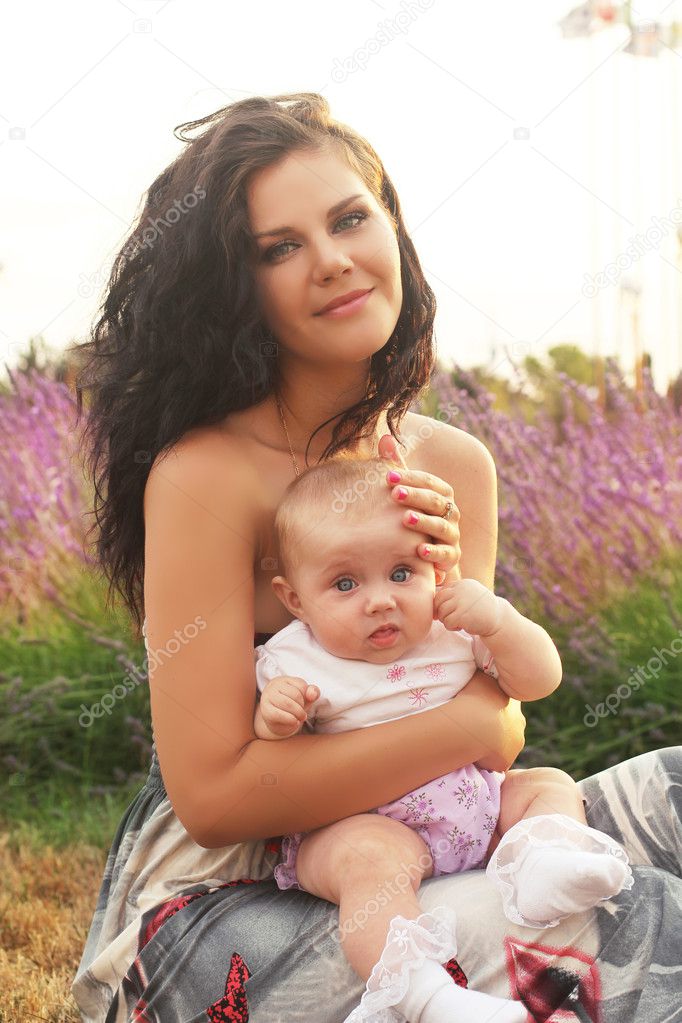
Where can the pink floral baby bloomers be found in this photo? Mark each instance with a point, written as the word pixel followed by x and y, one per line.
pixel 455 815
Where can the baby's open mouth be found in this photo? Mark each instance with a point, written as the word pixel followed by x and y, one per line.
pixel 386 633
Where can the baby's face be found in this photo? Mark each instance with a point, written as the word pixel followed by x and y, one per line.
pixel 362 576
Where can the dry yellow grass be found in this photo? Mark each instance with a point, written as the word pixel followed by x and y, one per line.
pixel 47 899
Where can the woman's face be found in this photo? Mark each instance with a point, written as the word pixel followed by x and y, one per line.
pixel 321 255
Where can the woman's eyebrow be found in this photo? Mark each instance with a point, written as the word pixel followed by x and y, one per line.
pixel 330 213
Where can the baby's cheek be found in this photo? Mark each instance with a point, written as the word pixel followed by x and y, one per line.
pixel 339 640
pixel 423 598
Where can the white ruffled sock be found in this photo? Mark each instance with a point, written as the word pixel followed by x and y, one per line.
pixel 410 983
pixel 555 882
pixel 433 997
pixel 551 866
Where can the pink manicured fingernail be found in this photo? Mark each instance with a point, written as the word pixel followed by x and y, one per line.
pixel 426 550
pixel 402 493
pixel 412 518
pixel 394 476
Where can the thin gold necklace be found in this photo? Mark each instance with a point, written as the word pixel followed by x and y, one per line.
pixel 284 424
pixel 281 412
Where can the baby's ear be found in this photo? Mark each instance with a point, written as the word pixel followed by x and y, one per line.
pixel 287 595
pixel 282 589
pixel 440 575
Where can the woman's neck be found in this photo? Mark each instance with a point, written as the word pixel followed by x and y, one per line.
pixel 307 402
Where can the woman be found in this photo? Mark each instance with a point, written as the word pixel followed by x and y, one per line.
pixel 216 369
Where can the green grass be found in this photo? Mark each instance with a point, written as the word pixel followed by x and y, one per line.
pixel 55 667
pixel 62 814
pixel 644 618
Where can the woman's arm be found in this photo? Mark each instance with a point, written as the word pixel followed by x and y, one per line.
pixel 467 465
pixel 525 656
pixel 226 785
pixel 307 781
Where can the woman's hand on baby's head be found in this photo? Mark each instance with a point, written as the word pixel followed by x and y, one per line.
pixel 425 498
pixel 284 703
pixel 469 605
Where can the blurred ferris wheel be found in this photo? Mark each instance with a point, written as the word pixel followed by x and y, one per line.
pixel 654 31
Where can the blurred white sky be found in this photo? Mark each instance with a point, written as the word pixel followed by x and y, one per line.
pixel 507 223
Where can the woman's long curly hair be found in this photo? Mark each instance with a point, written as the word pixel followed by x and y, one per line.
pixel 180 341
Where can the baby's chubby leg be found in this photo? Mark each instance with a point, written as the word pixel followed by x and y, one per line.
pixel 371 867
pixel 536 790
pixel 556 867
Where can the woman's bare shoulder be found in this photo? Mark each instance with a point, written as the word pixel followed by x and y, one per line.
pixel 204 484
pixel 205 462
pixel 202 446
pixel 440 443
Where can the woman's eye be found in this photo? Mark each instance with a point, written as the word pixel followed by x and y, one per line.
pixel 344 580
pixel 355 213
pixel 276 251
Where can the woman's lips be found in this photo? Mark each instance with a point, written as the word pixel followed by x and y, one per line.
pixel 348 307
pixel 384 637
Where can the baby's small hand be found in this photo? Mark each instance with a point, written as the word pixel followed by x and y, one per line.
pixel 469 605
pixel 284 704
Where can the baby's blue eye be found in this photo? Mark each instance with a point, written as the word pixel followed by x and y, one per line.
pixel 402 569
pixel 345 580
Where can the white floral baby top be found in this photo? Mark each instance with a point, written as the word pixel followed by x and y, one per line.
pixel 355 694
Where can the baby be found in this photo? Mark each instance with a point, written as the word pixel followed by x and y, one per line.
pixel 374 640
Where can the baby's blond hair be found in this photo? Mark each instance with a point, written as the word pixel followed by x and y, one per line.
pixel 352 487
